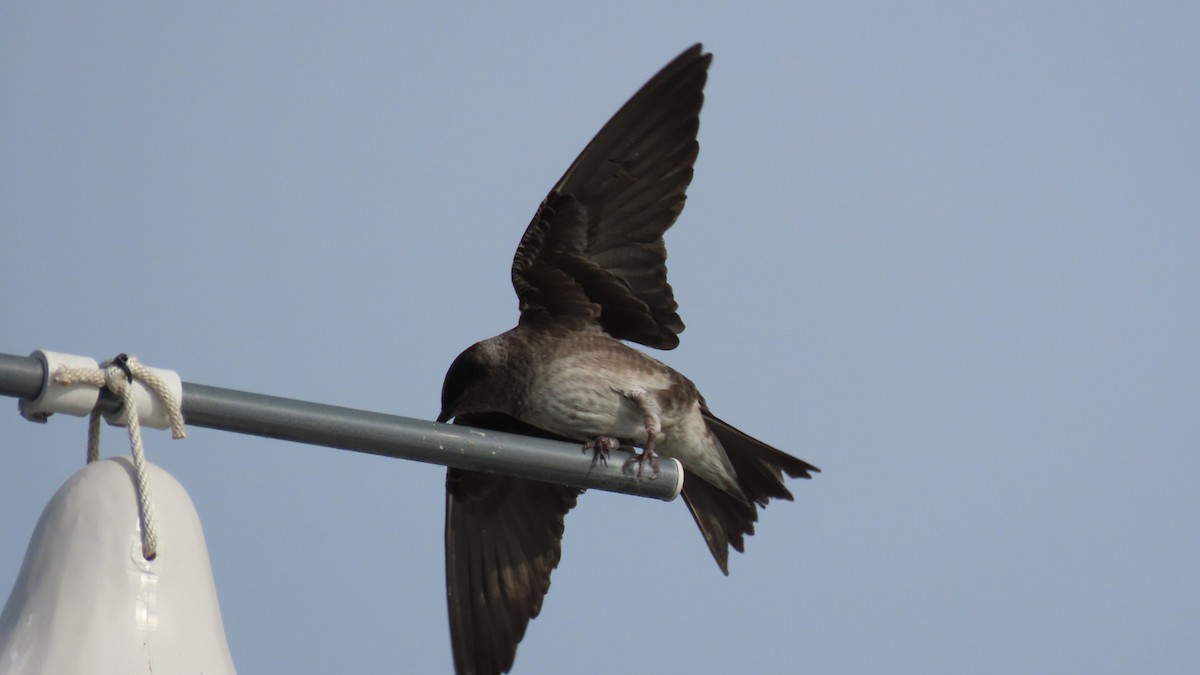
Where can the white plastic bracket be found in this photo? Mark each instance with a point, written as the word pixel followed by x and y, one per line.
pixel 151 410
pixel 73 399
pixel 80 399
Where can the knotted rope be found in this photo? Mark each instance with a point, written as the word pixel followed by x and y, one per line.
pixel 117 376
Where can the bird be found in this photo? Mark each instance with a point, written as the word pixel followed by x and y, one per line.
pixel 590 276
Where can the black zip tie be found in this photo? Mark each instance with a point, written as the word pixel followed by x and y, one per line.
pixel 122 362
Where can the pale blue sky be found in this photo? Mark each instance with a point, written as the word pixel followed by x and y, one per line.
pixel 947 254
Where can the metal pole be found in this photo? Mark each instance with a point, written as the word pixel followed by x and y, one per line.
pixel 388 435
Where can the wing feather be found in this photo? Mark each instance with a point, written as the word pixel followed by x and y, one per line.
pixel 503 539
pixel 593 257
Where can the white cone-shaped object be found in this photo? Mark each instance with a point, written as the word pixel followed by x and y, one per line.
pixel 86 601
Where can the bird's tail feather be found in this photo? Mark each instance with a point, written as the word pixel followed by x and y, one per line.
pixel 759 467
pixel 725 519
pixel 722 518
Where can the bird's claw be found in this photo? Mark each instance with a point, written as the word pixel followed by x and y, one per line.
pixel 641 459
pixel 601 447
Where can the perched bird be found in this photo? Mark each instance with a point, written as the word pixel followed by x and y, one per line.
pixel 589 272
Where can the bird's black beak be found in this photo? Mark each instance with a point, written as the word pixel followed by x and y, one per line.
pixel 444 417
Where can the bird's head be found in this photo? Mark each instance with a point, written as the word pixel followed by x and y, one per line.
pixel 475 382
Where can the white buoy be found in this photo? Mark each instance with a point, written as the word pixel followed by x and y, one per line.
pixel 86 601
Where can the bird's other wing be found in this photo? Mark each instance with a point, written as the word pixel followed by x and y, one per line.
pixel 503 539
pixel 593 257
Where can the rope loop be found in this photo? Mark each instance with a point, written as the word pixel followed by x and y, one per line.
pixel 118 376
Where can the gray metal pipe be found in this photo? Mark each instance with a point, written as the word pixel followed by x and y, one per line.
pixel 388 435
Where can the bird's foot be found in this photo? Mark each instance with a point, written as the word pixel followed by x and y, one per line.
pixel 647 456
pixel 601 447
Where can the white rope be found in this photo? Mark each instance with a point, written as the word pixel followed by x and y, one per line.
pixel 117 376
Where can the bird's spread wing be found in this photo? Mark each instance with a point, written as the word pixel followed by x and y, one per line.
pixel 593 257
pixel 503 539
